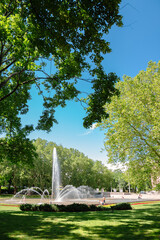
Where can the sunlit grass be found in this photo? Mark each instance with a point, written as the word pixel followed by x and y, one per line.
pixel 6 196
pixel 140 223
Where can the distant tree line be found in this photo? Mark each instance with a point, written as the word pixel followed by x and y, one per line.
pixel 76 169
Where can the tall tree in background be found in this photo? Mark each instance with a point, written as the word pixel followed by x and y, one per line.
pixel 139 175
pixel 133 127
pixel 76 168
pixel 66 32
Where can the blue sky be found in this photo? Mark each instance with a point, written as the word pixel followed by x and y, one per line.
pixel 133 46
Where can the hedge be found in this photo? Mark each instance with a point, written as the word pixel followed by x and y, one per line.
pixel 75 207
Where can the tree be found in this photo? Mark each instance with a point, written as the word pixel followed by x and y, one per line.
pixel 133 127
pixel 14 174
pixel 66 32
pixel 4 174
pixel 76 168
pixel 41 171
pixel 17 148
pixel 118 180
pixel 101 176
pixel 138 175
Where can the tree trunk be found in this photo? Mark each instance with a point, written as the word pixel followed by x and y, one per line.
pixel 15 189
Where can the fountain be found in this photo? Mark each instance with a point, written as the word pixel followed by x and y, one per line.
pixel 55 176
pixel 68 193
pixel 24 194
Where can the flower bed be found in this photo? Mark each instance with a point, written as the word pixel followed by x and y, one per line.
pixel 148 202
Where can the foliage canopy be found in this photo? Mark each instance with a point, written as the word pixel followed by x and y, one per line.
pixel 76 169
pixel 133 127
pixel 66 32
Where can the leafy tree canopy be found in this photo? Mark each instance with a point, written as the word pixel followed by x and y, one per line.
pixel 66 32
pixel 139 175
pixel 133 127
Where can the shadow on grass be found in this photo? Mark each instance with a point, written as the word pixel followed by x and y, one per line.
pixel 122 225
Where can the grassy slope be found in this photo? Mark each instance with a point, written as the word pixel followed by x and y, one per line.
pixel 141 223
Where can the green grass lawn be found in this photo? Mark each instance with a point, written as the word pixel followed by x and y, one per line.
pixel 143 222
pixel 6 196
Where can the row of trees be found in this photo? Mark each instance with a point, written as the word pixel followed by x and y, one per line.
pixel 132 131
pixel 76 169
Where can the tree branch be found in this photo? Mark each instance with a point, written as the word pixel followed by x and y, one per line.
pixel 6 52
pixel 18 84
pixel 81 102
pixel 86 80
pixel 1 56
pixel 8 13
pixel 8 65
pixel 143 139
pixel 2 84
pixel 1 99
pixel 7 60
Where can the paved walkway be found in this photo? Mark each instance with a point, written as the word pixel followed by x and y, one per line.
pixel 110 200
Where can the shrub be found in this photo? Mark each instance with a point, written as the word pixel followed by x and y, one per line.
pixel 26 207
pixel 101 208
pixel 35 207
pixel 46 207
pixel 75 207
pixel 122 206
pixel 55 208
pixel 93 208
pixel 61 208
pixel 98 208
